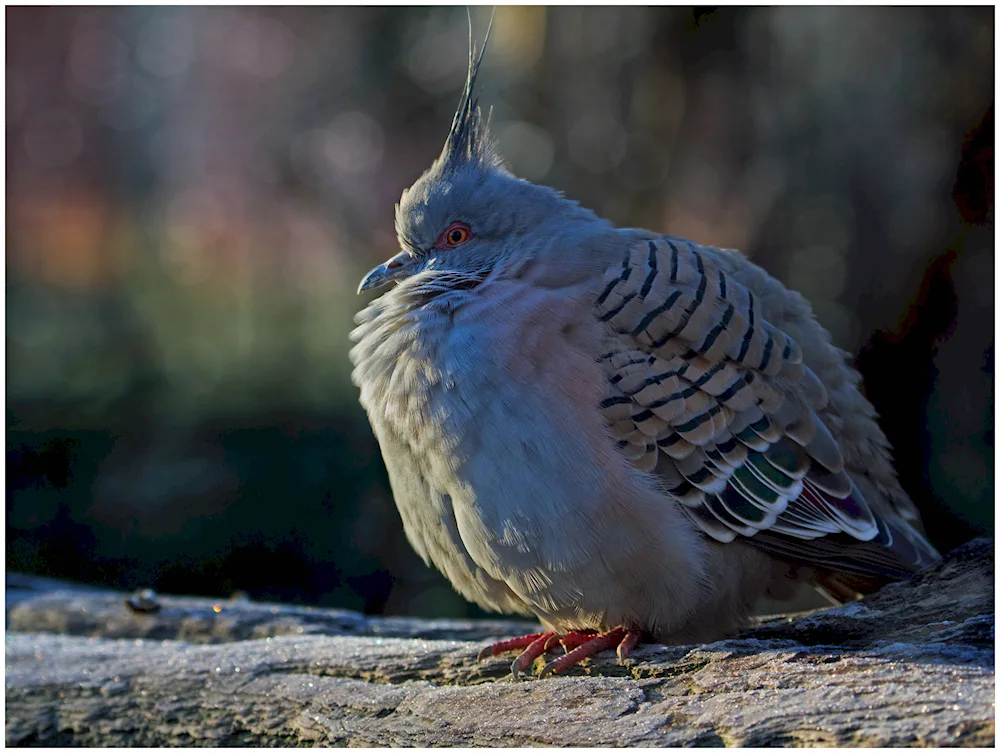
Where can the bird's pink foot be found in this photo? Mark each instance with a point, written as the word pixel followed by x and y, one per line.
pixel 502 647
pixel 535 649
pixel 577 645
pixel 622 638
pixel 570 640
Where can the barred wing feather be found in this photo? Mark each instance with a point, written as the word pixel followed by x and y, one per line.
pixel 707 394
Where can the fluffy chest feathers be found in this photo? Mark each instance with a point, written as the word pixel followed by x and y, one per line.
pixel 443 370
pixel 483 400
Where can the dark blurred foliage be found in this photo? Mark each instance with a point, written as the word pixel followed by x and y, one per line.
pixel 193 194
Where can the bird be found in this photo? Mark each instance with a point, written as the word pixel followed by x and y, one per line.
pixel 626 434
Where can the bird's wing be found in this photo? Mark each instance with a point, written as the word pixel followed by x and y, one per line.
pixel 717 402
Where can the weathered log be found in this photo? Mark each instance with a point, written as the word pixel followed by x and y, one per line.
pixel 911 665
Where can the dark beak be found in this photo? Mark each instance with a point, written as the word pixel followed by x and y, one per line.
pixel 397 267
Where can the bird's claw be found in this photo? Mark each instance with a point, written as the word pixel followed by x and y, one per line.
pixel 495 649
pixel 577 647
pixel 625 647
pixel 527 657
pixel 548 669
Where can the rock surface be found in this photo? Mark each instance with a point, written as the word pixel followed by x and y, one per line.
pixel 911 665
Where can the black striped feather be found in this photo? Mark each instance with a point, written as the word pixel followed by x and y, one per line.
pixel 668 290
pixel 719 461
pixel 650 424
pixel 732 450
pixel 718 405
pixel 749 438
pixel 772 477
pixel 710 524
pixel 789 458
pixel 647 460
pixel 835 484
pixel 714 505
pixel 699 471
pixel 675 446
pixel 745 509
pixel 767 430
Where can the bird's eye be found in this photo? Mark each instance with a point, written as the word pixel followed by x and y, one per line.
pixel 456 234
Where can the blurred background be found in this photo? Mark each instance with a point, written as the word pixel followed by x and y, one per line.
pixel 194 194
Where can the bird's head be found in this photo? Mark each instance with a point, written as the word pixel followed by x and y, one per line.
pixel 468 213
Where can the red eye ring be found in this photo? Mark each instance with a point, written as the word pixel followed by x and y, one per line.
pixel 454 235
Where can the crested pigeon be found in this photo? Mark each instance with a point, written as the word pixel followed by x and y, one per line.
pixel 625 434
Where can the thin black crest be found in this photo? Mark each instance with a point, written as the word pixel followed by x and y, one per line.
pixel 468 141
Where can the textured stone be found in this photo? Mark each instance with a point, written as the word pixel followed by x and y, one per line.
pixel 911 665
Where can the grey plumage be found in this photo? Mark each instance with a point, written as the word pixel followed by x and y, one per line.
pixel 607 427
